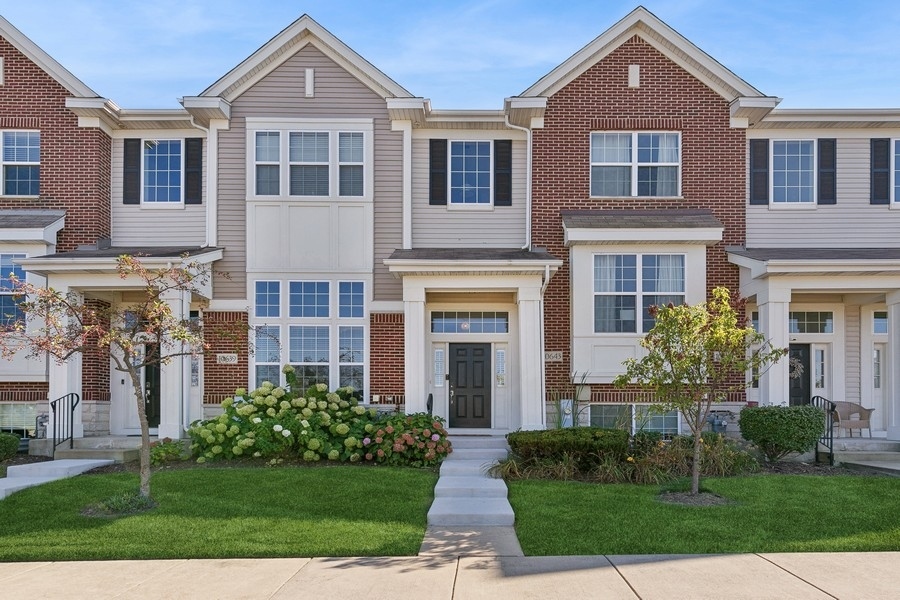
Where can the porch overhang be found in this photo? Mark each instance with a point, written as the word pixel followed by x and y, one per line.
pixel 471 261
pixel 762 263
pixel 31 226
pixel 610 227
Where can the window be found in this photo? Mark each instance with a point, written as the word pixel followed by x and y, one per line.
pixel 634 418
pixel 811 322
pixel 635 164
pixel 320 159
pixel 10 312
pixel 469 322
pixel 880 322
pixel 792 171
pixel 268 299
pixel 309 299
pixel 162 170
pixel 159 172
pixel 470 173
pixel 619 289
pixel 21 163
pixel 325 335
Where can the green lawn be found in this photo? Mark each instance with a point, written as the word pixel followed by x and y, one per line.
pixel 770 513
pixel 222 512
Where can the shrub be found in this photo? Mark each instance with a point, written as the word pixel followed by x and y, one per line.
pixel 9 445
pixel 586 446
pixel 278 422
pixel 779 430
pixel 165 450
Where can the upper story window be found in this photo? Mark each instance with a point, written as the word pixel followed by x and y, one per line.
pixel 268 299
pixel 10 312
pixel 309 299
pixel 162 172
pixel 793 173
pixel 885 171
pixel 471 173
pixel 310 158
pixel 623 283
pixel 880 322
pixel 21 163
pixel 635 164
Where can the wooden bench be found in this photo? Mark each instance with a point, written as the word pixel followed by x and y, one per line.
pixel 850 416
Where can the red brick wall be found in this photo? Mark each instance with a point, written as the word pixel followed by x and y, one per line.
pixel 226 333
pixel 668 99
pixel 75 162
pixel 386 364
pixel 33 391
pixel 95 362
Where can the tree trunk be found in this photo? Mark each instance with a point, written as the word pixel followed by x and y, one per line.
pixel 695 470
pixel 145 431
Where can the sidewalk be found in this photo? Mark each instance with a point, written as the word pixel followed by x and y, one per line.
pixel 736 576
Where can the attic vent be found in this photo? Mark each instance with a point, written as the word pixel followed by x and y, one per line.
pixel 634 76
pixel 310 83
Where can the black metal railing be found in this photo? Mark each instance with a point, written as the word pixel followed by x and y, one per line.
pixel 63 410
pixel 827 438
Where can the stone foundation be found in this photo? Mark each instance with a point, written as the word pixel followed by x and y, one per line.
pixel 95 418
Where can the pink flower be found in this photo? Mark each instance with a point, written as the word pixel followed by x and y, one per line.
pixel 435 437
pixel 398 447
pixel 426 433
pixel 389 429
pixel 420 445
pixel 366 441
pixel 369 456
pixel 379 439
pixel 380 453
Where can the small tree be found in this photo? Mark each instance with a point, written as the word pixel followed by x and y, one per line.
pixel 697 355
pixel 64 325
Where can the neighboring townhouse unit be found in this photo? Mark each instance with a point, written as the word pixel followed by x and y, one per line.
pixel 468 262
pixel 822 255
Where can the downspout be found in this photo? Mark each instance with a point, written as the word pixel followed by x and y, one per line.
pixel 211 181
pixel 544 285
pixel 527 131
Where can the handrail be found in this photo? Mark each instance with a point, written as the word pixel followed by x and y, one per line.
pixel 827 438
pixel 64 419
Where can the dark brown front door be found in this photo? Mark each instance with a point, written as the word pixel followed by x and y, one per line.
pixel 799 391
pixel 470 385
pixel 151 388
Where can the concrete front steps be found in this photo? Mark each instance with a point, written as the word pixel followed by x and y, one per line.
pixel 465 495
pixel 868 453
pixel 119 449
pixel 19 477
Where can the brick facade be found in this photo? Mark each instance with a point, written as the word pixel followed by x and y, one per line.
pixel 669 98
pixel 226 333
pixel 29 391
pixel 386 361
pixel 95 362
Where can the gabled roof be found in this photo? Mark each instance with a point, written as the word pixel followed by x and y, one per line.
pixel 292 39
pixel 46 62
pixel 650 28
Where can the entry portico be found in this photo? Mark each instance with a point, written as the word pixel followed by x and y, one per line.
pixel 474 334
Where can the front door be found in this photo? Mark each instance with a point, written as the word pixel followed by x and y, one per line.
pixel 150 386
pixel 470 385
pixel 151 389
pixel 798 386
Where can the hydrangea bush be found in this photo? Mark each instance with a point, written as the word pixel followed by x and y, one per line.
pixel 273 422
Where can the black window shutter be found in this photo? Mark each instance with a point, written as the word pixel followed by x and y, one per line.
pixel 827 182
pixel 131 175
pixel 881 171
pixel 437 176
pixel 502 172
pixel 193 171
pixel 759 172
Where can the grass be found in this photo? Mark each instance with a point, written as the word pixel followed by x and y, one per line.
pixel 768 513
pixel 224 512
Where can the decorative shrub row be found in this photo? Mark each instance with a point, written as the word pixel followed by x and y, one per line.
pixel 9 445
pixel 277 422
pixel 779 430
pixel 644 458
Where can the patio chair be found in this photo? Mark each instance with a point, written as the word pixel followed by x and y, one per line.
pixel 850 416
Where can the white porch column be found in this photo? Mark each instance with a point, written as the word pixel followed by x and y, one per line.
pixel 65 378
pixel 774 305
pixel 414 351
pixel 892 418
pixel 173 402
pixel 531 359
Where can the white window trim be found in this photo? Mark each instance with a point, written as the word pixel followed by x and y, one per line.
pixel 334 127
pixel 810 205
pixel 893 156
pixel 634 164
pixel 157 205
pixel 4 163
pixel 462 206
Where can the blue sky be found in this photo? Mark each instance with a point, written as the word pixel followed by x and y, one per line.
pixel 467 53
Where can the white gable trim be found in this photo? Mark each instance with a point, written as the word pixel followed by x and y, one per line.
pixel 34 53
pixel 291 40
pixel 669 42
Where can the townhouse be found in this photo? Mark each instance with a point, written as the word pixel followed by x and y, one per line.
pixel 462 261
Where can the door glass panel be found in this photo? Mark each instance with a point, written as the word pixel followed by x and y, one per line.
pixel 876 368
pixel 820 369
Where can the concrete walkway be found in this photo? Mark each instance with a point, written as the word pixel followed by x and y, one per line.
pixel 736 576
pixel 20 477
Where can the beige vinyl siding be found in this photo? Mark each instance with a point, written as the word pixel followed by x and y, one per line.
pixel 451 227
pixel 851 223
pixel 852 342
pixel 281 95
pixel 135 225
